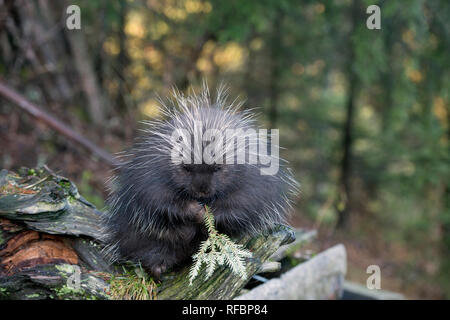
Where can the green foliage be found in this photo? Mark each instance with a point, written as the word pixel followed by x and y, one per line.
pixel 216 251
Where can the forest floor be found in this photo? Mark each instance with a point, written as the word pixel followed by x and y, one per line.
pixel 402 269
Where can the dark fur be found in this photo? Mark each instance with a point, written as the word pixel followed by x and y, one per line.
pixel 157 207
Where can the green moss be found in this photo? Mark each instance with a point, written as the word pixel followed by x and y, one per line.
pixel 67 269
pixel 65 184
pixel 3 292
pixel 68 293
pixel 72 199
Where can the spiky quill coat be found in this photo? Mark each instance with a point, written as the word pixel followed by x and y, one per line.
pixel 155 208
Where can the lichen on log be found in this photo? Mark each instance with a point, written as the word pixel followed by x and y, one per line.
pixel 47 202
pixel 50 246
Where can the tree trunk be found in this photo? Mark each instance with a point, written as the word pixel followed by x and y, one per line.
pixel 122 59
pixel 275 52
pixel 345 189
pixel 87 77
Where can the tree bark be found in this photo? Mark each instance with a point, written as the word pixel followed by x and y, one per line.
pixel 275 69
pixel 122 59
pixel 87 77
pixel 345 183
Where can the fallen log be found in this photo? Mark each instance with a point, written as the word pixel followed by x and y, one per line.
pixel 321 277
pixel 50 247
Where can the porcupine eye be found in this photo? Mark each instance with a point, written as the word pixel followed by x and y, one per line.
pixel 187 168
pixel 217 168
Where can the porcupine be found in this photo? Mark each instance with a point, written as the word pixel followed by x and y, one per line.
pixel 156 204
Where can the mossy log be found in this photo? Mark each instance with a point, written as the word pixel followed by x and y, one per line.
pixel 50 246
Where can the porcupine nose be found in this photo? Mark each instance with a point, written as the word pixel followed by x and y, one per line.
pixel 201 187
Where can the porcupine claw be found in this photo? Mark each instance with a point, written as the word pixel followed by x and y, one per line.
pixel 156 271
pixel 197 211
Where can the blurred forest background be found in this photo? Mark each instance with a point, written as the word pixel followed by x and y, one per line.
pixel 363 114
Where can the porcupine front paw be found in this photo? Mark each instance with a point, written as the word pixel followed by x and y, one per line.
pixel 157 270
pixel 196 211
pixel 155 266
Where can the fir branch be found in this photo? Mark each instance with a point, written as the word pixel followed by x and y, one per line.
pixel 216 251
